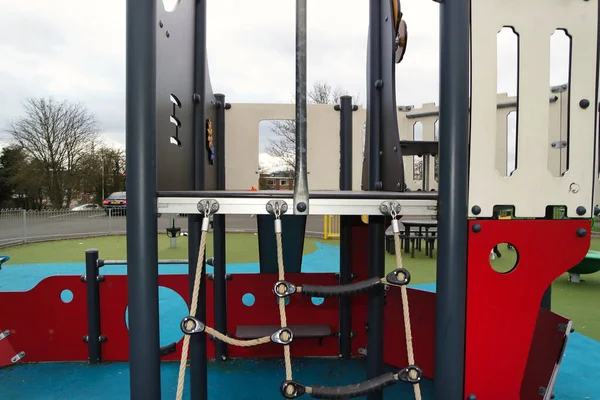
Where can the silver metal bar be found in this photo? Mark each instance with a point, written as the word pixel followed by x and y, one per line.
pixel 422 114
pixel 322 206
pixel 160 262
pixel 301 180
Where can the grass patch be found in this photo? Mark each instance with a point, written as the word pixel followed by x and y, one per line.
pixel 240 247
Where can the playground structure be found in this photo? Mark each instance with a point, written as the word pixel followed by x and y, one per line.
pixel 471 337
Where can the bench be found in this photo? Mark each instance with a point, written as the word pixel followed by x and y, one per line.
pixel 248 332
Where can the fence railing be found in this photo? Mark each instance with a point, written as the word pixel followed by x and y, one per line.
pixel 19 226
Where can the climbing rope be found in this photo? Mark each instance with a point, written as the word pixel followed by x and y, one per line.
pixel 290 389
pixel 191 325
pixel 406 310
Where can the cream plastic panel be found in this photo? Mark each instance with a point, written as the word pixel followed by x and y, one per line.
pixel 532 186
pixel 323 124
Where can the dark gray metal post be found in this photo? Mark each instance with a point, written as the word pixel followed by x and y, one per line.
pixel 345 342
pixel 547 299
pixel 142 240
pixel 453 201
pixel 301 173
pixel 93 306
pixel 220 285
pixel 376 223
pixel 198 351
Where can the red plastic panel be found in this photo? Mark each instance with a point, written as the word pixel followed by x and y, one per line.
pixel 546 349
pixel 6 351
pixel 113 303
pixel 502 309
pixel 42 325
pixel 47 329
pixel 265 311
pixel 422 324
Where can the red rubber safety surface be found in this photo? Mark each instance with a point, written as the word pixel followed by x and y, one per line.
pixel 502 309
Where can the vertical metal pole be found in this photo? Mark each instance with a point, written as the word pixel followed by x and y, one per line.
pixel 301 180
pixel 453 201
pixel 547 299
pixel 376 223
pixel 426 169
pixel 345 343
pixel 142 240
pixel 198 351
pixel 24 226
pixel 93 306
pixel 220 264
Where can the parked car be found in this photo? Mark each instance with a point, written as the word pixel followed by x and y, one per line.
pixel 116 203
pixel 87 207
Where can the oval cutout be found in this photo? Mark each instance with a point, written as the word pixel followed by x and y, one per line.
pixel 248 299
pixel 504 258
pixel 171 310
pixel 170 5
pixel 66 296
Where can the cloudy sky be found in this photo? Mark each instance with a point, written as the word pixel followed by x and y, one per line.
pixel 75 50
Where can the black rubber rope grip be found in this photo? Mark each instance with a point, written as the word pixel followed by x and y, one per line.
pixel 341 290
pixel 352 391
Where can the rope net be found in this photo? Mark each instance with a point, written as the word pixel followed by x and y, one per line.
pixel 292 389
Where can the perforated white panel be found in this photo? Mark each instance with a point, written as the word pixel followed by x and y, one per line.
pixel 533 186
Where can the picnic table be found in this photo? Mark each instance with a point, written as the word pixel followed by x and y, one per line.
pixel 415 231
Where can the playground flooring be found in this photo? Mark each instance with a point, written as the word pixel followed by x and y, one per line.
pixel 579 377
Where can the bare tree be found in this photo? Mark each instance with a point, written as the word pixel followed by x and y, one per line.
pixel 283 145
pixel 56 135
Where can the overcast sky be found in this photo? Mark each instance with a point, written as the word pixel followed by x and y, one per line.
pixel 74 49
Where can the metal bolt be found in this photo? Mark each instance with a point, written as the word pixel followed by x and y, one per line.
pixel 476 210
pixel 301 207
pixel 574 188
pixel 160 23
pixel 580 210
pixel 378 84
pixel 395 149
pixel 584 103
pixel 581 232
pixel 476 228
pixel 168 34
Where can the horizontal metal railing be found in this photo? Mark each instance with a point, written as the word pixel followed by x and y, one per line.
pixel 19 226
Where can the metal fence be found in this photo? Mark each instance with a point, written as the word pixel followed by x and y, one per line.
pixel 19 226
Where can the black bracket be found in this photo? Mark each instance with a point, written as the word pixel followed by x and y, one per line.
pixel 292 389
pixel 284 289
pixel 398 277
pixel 283 336
pixel 197 328
pixel 405 374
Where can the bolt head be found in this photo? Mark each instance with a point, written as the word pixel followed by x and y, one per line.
pixel 476 228
pixel 581 232
pixel 476 210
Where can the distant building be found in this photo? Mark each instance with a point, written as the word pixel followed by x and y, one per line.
pixel 280 180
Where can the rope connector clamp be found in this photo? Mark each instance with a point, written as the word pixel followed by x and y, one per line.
pixel 391 208
pixel 284 289
pixel 208 207
pixel 399 276
pixel 277 207
pixel 283 336
pixel 292 390
pixel 410 374
pixel 197 328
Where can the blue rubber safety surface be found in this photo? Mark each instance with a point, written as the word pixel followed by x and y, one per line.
pixel 579 377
